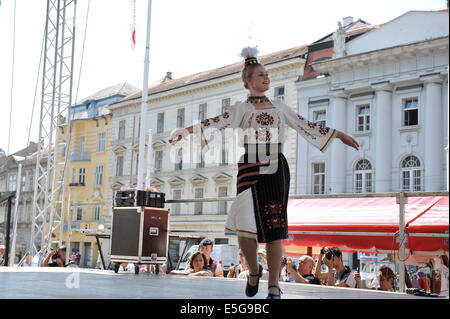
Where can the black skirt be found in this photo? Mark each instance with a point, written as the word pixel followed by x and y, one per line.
pixel 266 172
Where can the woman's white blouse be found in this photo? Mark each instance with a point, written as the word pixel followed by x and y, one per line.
pixel 267 125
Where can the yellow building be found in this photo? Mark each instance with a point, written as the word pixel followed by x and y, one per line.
pixel 87 180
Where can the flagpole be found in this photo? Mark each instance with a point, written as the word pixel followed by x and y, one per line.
pixel 143 127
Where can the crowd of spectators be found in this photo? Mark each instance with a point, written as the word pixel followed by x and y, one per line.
pixel 327 269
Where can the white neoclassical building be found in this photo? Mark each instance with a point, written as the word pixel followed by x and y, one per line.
pixel 388 87
pixel 178 103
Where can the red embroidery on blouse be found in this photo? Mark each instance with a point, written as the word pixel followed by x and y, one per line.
pixel 264 119
pixel 206 123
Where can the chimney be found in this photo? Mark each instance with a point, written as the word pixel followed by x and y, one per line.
pixel 347 21
pixel 169 75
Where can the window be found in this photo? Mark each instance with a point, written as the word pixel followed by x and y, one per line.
pixel 176 207
pixel 179 160
pixel 226 105
pixel 63 149
pixel 160 123
pixel 224 155
pixel 223 192
pixel 180 118
pixel 319 178
pixel 320 117
pixel 23 185
pixel 363 177
pixel 411 174
pixel 82 176
pixel 79 213
pixel 202 112
pixel 82 143
pixel 122 130
pixel 410 111
pixel 198 207
pixel 158 161
pixel 363 118
pixel 12 183
pixel 97 213
pixel 31 180
pixel 99 175
pixel 279 93
pixel 119 166
pixel 201 162
pixel 101 142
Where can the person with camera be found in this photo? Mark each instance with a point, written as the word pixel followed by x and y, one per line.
pixel 285 275
pixel 304 274
pixel 337 273
pixel 56 258
pixel 236 270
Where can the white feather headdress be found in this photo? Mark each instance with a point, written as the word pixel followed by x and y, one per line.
pixel 249 52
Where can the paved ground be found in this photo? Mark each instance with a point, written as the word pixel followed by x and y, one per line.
pixel 73 283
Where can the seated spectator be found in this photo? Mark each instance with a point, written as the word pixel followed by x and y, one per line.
pixel 236 270
pixel 56 258
pixel 337 274
pixel 206 247
pixel 198 266
pixel 386 278
pixel 244 274
pixel 126 267
pixel 304 275
pixel 262 258
pixel 285 274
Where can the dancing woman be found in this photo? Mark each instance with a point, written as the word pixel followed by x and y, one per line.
pixel 259 212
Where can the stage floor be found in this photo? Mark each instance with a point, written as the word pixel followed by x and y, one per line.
pixel 77 283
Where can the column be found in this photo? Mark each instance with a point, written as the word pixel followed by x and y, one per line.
pixel 337 165
pixel 383 138
pixel 434 148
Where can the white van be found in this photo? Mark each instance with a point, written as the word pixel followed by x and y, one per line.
pixel 227 255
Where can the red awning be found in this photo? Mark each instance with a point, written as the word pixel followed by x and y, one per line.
pixel 434 220
pixel 368 216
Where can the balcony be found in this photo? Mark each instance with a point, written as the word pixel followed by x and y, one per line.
pixel 77 184
pixel 80 157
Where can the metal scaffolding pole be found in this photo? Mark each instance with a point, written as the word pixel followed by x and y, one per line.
pixel 56 98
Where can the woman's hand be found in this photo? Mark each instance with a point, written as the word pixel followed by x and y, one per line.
pixel 289 265
pixel 348 140
pixel 178 134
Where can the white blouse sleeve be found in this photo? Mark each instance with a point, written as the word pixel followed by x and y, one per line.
pixel 230 119
pixel 319 136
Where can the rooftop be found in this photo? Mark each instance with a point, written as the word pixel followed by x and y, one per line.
pixel 166 84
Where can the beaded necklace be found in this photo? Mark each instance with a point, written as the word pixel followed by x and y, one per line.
pixel 257 99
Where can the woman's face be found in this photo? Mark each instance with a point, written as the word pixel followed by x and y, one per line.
pixel 259 80
pixel 198 263
pixel 386 283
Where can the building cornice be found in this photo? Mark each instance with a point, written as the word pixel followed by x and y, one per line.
pixel 380 56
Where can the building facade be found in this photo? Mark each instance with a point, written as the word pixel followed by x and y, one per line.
pixel 179 103
pixel 387 87
pixel 87 156
pixel 9 178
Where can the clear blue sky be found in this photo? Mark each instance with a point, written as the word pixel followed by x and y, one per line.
pixel 187 37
